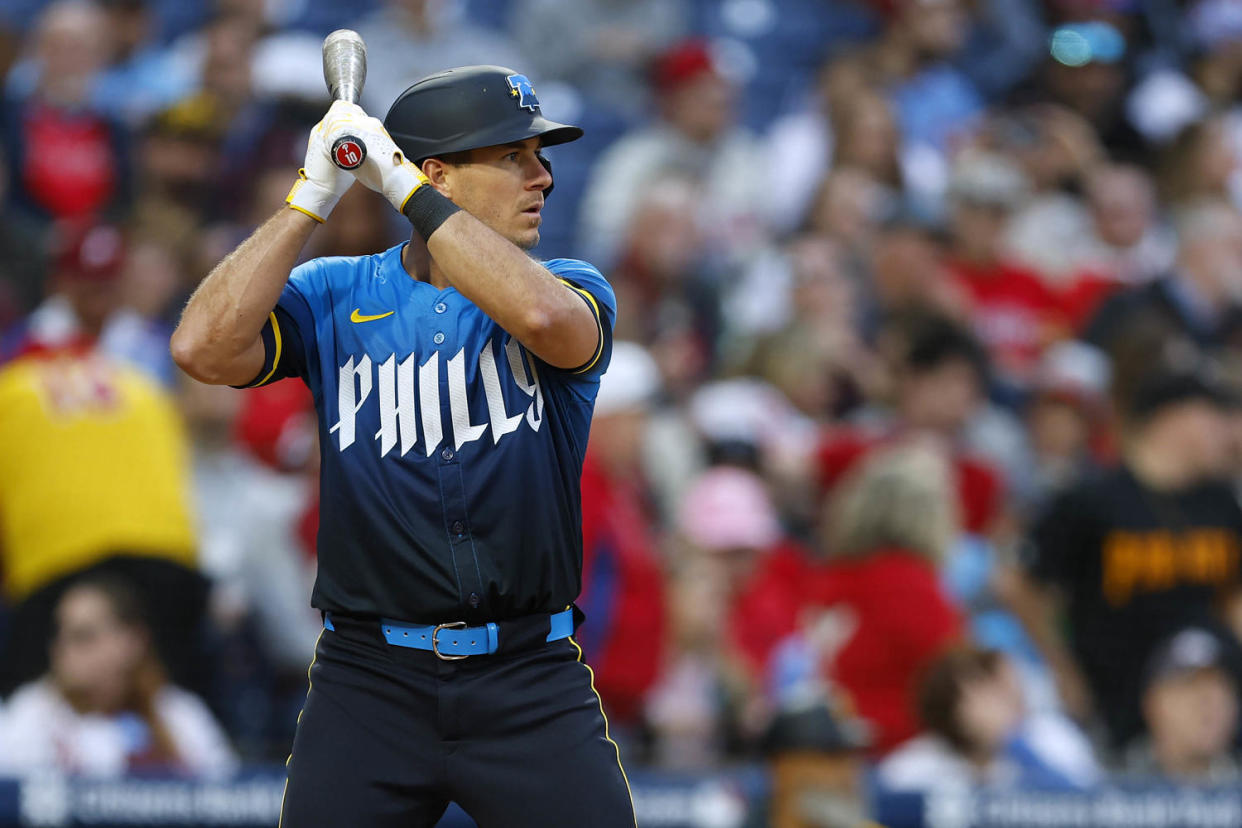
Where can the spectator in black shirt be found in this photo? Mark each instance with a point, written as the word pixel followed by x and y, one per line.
pixel 1137 552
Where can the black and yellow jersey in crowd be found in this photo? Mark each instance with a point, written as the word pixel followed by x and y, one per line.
pixel 1135 565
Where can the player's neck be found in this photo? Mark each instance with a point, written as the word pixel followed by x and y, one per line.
pixel 436 276
pixel 422 268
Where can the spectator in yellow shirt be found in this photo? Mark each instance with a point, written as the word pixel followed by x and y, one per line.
pixel 94 476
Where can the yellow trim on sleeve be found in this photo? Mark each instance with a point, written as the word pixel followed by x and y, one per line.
pixel 607 738
pixel 599 325
pixel 276 359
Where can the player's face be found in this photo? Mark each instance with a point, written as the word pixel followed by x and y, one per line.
pixel 502 186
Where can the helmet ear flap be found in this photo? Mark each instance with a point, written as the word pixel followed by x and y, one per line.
pixel 547 165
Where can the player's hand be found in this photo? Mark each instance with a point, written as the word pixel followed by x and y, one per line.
pixel 385 169
pixel 320 183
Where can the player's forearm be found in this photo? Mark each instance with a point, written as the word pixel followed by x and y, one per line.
pixel 521 295
pixel 218 338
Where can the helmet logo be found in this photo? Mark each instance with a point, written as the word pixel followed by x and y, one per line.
pixel 520 88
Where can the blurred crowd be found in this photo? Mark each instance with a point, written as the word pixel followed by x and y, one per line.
pixel 920 453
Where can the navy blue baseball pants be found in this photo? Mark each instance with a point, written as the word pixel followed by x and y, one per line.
pixel 390 735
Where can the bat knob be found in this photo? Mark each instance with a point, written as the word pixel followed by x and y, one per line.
pixel 348 152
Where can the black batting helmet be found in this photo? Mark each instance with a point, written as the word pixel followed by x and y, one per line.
pixel 467 108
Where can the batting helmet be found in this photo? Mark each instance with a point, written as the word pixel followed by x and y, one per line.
pixel 467 108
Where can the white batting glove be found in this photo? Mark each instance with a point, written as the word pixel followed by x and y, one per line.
pixel 320 183
pixel 385 169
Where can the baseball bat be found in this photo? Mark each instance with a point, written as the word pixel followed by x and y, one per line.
pixel 345 71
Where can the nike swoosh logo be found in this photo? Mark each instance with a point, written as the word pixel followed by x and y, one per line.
pixel 357 316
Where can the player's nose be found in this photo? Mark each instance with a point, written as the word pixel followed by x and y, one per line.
pixel 538 176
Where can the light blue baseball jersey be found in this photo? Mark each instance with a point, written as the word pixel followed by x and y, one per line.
pixel 451 455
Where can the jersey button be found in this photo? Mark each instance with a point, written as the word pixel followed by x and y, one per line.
pixel 438 339
pixel 458 527
pixel 446 453
pixel 441 307
pixel 474 600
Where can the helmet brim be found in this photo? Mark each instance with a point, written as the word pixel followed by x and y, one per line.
pixel 559 134
pixel 551 133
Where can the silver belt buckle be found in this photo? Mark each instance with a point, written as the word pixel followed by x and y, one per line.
pixel 435 644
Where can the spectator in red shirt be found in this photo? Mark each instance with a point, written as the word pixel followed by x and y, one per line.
pixel 1014 313
pixel 886 530
pixel 65 158
pixel 735 590
pixel 728 515
pixel 1085 249
pixel 622 583
pixel 938 389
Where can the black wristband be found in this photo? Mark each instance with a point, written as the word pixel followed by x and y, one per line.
pixel 427 210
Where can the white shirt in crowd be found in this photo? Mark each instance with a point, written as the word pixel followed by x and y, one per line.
pixel 927 762
pixel 40 731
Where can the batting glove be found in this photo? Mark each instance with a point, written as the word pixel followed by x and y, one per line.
pixel 320 183
pixel 384 169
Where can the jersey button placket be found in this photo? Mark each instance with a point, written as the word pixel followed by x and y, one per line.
pixel 460 546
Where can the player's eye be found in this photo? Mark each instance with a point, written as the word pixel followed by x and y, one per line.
pixel 513 156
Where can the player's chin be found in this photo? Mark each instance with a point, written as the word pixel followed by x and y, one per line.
pixel 528 236
pixel 527 241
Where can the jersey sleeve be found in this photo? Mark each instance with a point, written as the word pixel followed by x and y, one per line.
pixel 288 334
pixel 586 281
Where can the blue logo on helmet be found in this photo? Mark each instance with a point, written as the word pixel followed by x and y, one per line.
pixel 520 88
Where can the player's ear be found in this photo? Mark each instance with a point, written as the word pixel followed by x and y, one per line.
pixel 439 174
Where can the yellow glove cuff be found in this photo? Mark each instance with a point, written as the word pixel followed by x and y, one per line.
pixel 308 197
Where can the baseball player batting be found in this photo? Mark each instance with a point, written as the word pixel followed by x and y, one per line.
pixel 454 400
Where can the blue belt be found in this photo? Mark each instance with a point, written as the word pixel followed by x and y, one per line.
pixel 454 641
